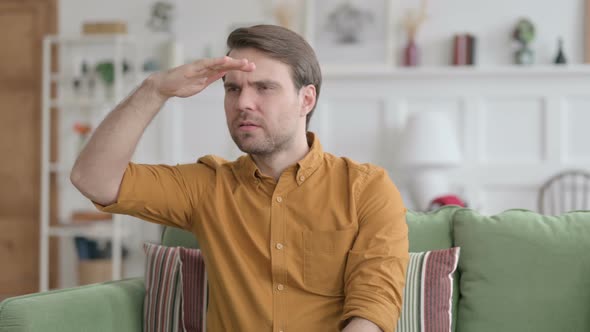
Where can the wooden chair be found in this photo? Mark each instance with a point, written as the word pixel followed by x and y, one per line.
pixel 566 191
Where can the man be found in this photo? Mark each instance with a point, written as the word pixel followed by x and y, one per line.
pixel 294 239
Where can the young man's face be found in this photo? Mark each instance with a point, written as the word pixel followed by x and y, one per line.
pixel 263 109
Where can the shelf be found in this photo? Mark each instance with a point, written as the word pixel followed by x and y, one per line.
pixel 128 77
pixel 81 103
pixel 446 72
pixel 92 39
pixel 61 99
pixel 97 229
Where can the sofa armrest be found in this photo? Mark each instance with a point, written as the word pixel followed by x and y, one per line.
pixel 110 306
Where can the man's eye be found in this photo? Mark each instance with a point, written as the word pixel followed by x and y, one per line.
pixel 263 87
pixel 231 89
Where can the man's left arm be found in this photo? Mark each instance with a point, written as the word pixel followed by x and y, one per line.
pixel 376 268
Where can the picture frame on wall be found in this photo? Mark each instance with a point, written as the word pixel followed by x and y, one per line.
pixel 351 34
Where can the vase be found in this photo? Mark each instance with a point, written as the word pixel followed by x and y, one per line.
pixel 524 56
pixel 411 53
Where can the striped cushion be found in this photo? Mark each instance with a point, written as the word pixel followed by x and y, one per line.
pixel 194 289
pixel 175 296
pixel 428 293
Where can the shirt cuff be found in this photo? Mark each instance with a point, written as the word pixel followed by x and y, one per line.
pixel 106 208
pixel 374 308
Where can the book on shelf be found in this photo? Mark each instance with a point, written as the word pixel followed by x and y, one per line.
pixel 464 49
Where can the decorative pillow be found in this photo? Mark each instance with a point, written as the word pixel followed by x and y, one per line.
pixel 428 294
pixel 176 288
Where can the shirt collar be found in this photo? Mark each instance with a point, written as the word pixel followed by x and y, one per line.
pixel 306 166
pixel 312 160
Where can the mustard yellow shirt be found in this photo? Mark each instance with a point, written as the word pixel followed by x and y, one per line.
pixel 326 242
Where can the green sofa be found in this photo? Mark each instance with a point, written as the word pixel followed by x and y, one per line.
pixel 518 271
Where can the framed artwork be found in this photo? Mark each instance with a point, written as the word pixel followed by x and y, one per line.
pixel 357 33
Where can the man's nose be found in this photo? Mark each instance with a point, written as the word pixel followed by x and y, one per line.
pixel 247 99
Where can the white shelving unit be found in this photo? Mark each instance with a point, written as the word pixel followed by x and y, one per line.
pixel 120 47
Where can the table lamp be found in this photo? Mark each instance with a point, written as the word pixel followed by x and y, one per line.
pixel 428 148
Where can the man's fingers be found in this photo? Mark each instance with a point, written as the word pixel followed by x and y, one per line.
pixel 231 64
pixel 209 67
pixel 204 63
pixel 215 77
pixel 226 64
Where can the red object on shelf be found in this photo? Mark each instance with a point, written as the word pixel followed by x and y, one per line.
pixel 82 128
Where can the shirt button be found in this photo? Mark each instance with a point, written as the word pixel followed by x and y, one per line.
pixel 280 287
pixel 279 246
pixel 302 178
pixel 279 199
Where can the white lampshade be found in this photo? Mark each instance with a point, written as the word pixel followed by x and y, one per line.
pixel 429 140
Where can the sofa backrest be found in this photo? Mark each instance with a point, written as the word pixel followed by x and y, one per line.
pixel 522 271
pixel 431 230
pixel 518 270
pixel 172 237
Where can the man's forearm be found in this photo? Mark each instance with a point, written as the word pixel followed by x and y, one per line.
pixel 358 324
pixel 100 167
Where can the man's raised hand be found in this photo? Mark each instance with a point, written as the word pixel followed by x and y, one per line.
pixel 189 79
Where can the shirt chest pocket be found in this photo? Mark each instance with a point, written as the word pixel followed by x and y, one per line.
pixel 324 260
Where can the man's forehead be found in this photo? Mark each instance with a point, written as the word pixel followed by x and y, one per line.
pixel 262 60
pixel 260 74
pixel 236 76
pixel 267 68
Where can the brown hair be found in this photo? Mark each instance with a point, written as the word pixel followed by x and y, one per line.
pixel 286 46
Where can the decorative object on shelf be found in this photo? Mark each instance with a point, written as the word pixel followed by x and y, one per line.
pixel 464 49
pixel 162 16
pixel 560 58
pixel 414 19
pixel 83 130
pixel 105 70
pixel 524 33
pixel 429 147
pixel 95 260
pixel 85 84
pixel 346 23
pixel 162 20
pixel 351 32
pixel 106 27
pixel 151 64
pixel 287 13
pixel 172 54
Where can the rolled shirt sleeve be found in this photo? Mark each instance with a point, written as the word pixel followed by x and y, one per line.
pixel 161 194
pixel 376 267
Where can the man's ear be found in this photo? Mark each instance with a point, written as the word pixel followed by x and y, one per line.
pixel 308 99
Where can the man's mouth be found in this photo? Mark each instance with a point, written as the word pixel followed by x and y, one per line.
pixel 248 125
